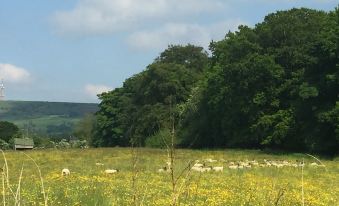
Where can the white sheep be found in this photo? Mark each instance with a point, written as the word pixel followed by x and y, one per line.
pixel 211 160
pixel 314 164
pixel 206 169
pixel 201 169
pixel 197 169
pixel 65 172
pixel 198 165
pixel 111 171
pixel 233 167
pixel 164 169
pixel 99 164
pixel 218 169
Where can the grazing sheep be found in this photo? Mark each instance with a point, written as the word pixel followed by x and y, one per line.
pixel 248 166
pixel 164 169
pixel 198 165
pixel 254 163
pixel 197 169
pixel 211 160
pixel 201 169
pixel 218 169
pixel 111 171
pixel 99 164
pixel 205 169
pixel 65 172
pixel 233 167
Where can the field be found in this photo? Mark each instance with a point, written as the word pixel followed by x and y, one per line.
pixel 45 118
pixel 139 183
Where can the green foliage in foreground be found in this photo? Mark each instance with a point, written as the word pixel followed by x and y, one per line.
pixel 272 86
pixel 88 185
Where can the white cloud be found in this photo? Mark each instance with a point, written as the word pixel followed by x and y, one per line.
pixel 93 90
pixel 179 33
pixel 107 16
pixel 13 74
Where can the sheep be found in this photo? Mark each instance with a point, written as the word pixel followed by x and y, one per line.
pixel 233 167
pixel 248 166
pixel 206 169
pixel 218 169
pixel 197 169
pixel 164 169
pixel 99 164
pixel 65 172
pixel 314 164
pixel 201 169
pixel 111 171
pixel 255 164
pixel 198 165
pixel 211 160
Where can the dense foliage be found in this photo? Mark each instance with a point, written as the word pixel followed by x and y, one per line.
pixel 272 86
pixel 8 131
pixel 142 107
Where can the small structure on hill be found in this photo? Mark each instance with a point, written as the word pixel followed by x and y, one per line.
pixel 2 90
pixel 23 143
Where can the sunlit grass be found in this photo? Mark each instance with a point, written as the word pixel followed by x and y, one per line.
pixel 88 185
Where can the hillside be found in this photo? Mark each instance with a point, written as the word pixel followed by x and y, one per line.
pixel 45 118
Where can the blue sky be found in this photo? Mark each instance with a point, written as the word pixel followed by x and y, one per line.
pixel 70 50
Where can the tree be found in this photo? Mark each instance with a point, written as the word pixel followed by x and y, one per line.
pixel 140 108
pixel 85 127
pixel 8 130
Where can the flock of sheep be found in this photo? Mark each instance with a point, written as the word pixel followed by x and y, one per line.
pixel 205 165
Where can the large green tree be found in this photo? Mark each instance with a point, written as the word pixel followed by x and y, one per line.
pixel 142 106
pixel 274 85
pixel 8 130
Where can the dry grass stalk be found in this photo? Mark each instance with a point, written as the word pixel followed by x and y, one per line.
pixel 17 195
pixel 302 183
pixel 3 187
pixel 280 195
pixel 41 180
pixel 134 176
pixel 318 161
pixel 6 174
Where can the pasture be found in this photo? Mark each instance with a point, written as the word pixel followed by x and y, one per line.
pixel 138 181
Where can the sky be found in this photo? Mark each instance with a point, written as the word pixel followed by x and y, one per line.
pixel 72 50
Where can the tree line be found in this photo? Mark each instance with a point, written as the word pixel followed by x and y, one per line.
pixel 271 86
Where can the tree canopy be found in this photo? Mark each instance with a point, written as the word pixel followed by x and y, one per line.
pixel 271 86
pixel 8 130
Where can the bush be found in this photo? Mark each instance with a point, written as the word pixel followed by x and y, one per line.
pixel 63 144
pixel 4 145
pixel 79 144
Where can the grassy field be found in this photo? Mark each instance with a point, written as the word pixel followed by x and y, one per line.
pixel 142 184
pixel 45 118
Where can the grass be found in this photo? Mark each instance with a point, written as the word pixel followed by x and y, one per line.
pixel 41 123
pixel 88 185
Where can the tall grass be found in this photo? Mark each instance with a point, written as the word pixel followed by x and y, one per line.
pixel 25 181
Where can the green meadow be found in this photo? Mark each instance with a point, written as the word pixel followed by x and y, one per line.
pixel 138 181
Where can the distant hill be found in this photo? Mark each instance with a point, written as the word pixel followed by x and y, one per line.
pixel 55 119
